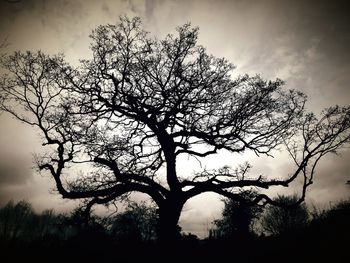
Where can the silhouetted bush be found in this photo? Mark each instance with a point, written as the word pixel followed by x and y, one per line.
pixel 137 223
pixel 278 220
pixel 332 224
pixel 237 219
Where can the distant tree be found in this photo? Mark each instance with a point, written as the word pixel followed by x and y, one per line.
pixel 137 223
pixel 45 224
pixel 140 103
pixel 237 218
pixel 16 221
pixel 286 218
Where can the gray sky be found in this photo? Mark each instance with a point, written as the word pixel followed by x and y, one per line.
pixel 306 43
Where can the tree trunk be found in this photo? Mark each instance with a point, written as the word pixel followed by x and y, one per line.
pixel 169 214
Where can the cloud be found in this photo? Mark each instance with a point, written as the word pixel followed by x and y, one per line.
pixel 17 143
pixel 105 8
pixel 16 178
pixel 150 6
pixel 14 171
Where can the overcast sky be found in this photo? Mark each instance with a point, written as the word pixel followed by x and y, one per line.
pixel 306 43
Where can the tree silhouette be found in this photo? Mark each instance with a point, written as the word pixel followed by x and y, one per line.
pixel 329 226
pixel 285 219
pixel 237 217
pixel 137 223
pixel 126 115
pixel 16 220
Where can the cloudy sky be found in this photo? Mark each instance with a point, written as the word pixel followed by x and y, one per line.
pixel 306 43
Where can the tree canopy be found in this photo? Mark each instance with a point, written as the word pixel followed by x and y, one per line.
pixel 139 103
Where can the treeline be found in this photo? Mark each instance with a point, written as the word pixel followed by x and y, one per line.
pixel 242 220
pixel 285 233
pixel 19 223
pixel 244 232
pixel 49 236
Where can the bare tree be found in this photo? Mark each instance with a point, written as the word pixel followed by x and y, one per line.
pixel 285 219
pixel 127 114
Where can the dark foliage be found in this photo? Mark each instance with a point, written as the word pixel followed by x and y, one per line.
pixel 326 238
pixel 237 218
pixel 287 218
pixel 137 224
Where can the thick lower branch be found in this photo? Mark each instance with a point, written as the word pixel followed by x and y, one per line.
pixel 116 190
